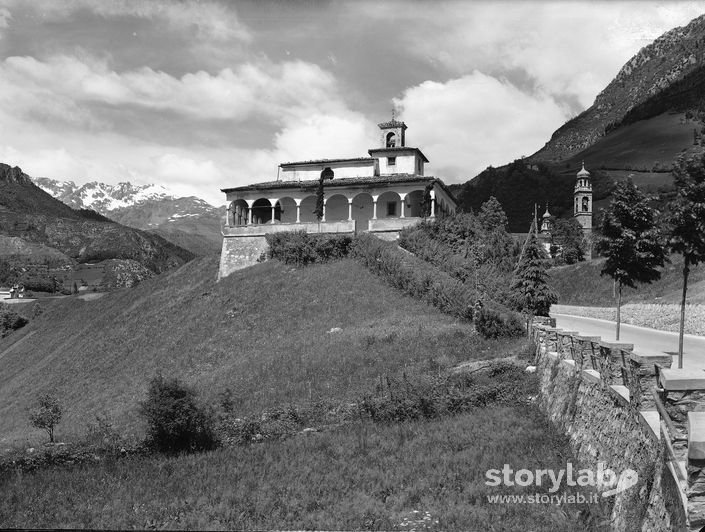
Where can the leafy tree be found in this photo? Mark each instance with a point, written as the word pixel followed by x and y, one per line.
pixel 492 215
pixel 530 291
pixel 568 238
pixel 630 241
pixel 320 196
pixel 686 224
pixel 47 414
pixel 176 421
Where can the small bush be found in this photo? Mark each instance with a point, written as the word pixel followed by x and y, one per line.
pixel 491 323
pixel 10 320
pixel 176 421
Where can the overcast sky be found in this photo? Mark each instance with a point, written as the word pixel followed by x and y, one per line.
pixel 204 95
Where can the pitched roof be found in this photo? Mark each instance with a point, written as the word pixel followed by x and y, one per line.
pixel 343 182
pixel 339 182
pixel 396 149
pixel 327 161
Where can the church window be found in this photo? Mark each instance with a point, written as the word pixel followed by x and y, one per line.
pixel 391 140
pixel 391 208
pixel 391 161
pixel 585 205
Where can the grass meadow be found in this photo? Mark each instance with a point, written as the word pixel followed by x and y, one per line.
pixel 362 477
pixel 581 284
pixel 263 333
pixel 275 336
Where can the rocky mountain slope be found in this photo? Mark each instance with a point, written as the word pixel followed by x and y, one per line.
pixel 188 222
pixel 37 229
pixel 676 55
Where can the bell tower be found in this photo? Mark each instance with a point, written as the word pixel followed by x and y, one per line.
pixel 582 197
pixel 393 134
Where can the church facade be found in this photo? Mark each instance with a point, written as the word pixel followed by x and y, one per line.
pixel 381 194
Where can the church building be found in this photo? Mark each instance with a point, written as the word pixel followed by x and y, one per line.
pixel 380 194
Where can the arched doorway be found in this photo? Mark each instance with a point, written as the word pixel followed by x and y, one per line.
pixel 362 209
pixel 238 213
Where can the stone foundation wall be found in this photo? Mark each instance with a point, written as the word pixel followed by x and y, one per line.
pixel 240 252
pixel 605 426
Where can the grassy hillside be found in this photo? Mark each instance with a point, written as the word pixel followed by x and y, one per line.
pixel 263 332
pixel 581 284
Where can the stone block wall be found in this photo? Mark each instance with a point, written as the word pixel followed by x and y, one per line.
pixel 240 252
pixel 605 425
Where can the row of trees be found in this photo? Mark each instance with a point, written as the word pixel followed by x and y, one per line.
pixel 635 240
pixel 636 247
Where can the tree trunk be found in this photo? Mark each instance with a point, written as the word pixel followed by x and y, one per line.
pixel 619 308
pixel 686 271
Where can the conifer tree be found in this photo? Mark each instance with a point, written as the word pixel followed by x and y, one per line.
pixel 530 291
pixel 630 241
pixel 686 224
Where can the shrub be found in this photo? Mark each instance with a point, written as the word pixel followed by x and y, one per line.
pixel 492 323
pixel 47 414
pixel 10 320
pixel 301 248
pixel 415 276
pixel 176 421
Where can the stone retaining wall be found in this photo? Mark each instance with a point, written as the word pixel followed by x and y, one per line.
pixel 605 423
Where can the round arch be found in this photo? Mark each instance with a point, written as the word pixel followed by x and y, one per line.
pixel 336 208
pixel 261 211
pixel 389 205
pixel 362 210
pixel 308 206
pixel 391 140
pixel 285 210
pixel 413 204
pixel 238 214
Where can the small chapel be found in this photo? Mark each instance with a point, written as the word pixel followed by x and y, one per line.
pixel 381 193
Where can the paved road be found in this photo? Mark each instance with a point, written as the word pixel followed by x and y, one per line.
pixel 644 340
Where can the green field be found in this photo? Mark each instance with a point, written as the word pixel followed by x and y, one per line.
pixel 265 334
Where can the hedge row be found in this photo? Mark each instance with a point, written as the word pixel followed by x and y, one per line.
pixel 301 248
pixel 415 276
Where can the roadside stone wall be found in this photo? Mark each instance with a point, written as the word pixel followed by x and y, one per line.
pixel 240 252
pixel 603 425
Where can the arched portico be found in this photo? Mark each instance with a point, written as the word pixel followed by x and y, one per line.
pixel 336 208
pixel 286 210
pixel 307 208
pixel 413 204
pixel 389 205
pixel 261 211
pixel 362 209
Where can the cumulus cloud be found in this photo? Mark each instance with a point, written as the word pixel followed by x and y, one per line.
pixel 570 49
pixel 276 92
pixel 473 121
pixel 207 20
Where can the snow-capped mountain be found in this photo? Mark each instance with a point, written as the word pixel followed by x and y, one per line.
pixel 189 221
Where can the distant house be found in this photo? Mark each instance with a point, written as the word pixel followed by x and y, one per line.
pixel 381 194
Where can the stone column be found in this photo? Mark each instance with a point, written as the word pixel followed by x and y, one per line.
pixel 433 204
pixel 350 209
pixel 374 207
pixel 325 201
pixel 403 197
pixel 250 203
pixel 273 202
pixel 298 211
